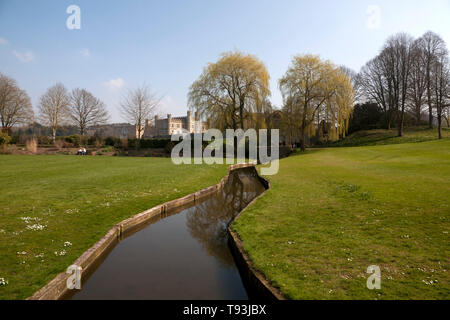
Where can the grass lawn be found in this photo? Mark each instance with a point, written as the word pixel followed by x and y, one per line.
pixel 384 137
pixel 333 212
pixel 53 208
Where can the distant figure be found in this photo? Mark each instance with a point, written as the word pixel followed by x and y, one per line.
pixel 80 152
pixel 84 151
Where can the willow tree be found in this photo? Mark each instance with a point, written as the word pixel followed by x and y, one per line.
pixel 319 91
pixel 229 91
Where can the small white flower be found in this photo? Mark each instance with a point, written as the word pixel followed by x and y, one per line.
pixel 67 244
pixel 36 227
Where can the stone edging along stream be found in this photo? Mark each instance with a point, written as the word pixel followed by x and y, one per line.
pixel 57 288
pixel 257 285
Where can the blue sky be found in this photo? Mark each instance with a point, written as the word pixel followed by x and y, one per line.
pixel 165 44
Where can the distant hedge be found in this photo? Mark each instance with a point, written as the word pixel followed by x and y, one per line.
pixel 148 143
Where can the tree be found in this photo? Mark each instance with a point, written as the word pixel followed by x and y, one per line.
pixel 318 91
pixel 398 54
pixel 54 107
pixel 446 115
pixel 15 104
pixel 290 120
pixel 138 105
pixel 86 110
pixel 376 86
pixel 365 116
pixel 386 78
pixel 440 84
pixel 418 84
pixel 433 47
pixel 228 91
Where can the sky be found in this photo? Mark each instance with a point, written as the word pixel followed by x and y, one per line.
pixel 166 44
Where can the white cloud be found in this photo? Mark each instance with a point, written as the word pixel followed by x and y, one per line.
pixel 24 57
pixel 85 52
pixel 114 84
pixel 3 41
pixel 373 14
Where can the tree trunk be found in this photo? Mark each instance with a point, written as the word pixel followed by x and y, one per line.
pixel 418 114
pixel 241 113
pixel 430 117
pixel 388 120
pixel 302 139
pixel 54 134
pixel 400 123
pixel 439 119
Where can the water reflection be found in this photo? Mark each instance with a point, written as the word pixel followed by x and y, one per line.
pixel 207 221
pixel 185 250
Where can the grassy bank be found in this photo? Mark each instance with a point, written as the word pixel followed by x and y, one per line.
pixel 53 208
pixel 331 213
pixel 385 137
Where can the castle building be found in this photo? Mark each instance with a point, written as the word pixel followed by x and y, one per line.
pixel 170 125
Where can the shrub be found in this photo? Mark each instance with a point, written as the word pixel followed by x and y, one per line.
pixel 4 139
pixel 169 146
pixel 123 143
pixel 108 149
pixel 43 140
pixel 14 139
pixel 59 144
pixel 149 143
pixel 96 141
pixel 73 139
pixel 111 141
pixel 32 144
pixel 365 117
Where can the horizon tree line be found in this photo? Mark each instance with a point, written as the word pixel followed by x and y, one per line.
pixel 408 76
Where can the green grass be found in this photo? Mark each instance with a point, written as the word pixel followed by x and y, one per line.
pixel 331 213
pixel 385 137
pixel 77 200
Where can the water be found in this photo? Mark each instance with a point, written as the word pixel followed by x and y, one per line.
pixel 182 256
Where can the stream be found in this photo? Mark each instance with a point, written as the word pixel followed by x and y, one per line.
pixel 182 256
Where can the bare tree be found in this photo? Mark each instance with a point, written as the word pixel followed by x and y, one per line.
pixel 446 115
pixel 386 78
pixel 86 110
pixel 53 107
pixel 440 84
pixel 377 87
pixel 138 105
pixel 398 50
pixel 433 47
pixel 15 104
pixel 418 84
